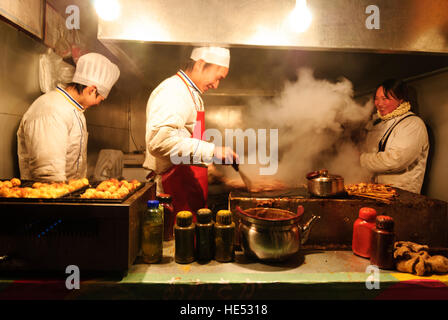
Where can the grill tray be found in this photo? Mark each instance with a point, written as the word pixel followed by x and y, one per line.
pixel 72 197
pixel 29 184
pixel 76 195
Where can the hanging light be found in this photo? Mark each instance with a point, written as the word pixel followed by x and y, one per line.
pixel 107 9
pixel 300 18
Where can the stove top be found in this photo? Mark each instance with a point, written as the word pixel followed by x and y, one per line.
pixel 300 192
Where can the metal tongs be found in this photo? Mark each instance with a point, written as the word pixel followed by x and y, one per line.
pixel 245 179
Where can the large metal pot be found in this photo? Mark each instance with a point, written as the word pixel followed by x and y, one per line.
pixel 323 184
pixel 271 234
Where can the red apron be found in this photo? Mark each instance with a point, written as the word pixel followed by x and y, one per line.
pixel 188 185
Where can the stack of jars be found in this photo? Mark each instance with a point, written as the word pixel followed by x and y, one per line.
pixel 202 241
pixel 373 238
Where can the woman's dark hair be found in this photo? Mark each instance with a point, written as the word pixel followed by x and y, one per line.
pixel 394 88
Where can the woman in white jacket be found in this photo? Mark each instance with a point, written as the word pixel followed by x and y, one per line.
pixel 52 136
pixel 396 148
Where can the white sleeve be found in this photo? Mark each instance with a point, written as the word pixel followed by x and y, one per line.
pixel 166 133
pixel 403 148
pixel 47 147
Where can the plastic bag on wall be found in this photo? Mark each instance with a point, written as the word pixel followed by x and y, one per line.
pixel 53 71
pixel 78 46
pixel 63 48
pixel 109 165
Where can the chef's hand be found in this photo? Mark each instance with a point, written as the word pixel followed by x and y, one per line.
pixel 225 155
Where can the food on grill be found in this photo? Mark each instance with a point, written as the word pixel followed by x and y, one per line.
pixel 372 190
pixel 10 183
pixel 111 189
pixel 11 189
pixel 257 185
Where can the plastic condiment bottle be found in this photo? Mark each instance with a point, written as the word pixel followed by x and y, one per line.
pixel 224 236
pixel 362 232
pixel 204 235
pixel 169 216
pixel 152 233
pixel 383 238
pixel 184 232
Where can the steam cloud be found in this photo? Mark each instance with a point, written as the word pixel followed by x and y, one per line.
pixel 319 124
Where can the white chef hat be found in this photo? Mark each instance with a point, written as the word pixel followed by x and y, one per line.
pixel 215 55
pixel 94 69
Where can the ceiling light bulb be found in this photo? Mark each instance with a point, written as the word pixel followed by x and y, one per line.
pixel 300 17
pixel 107 9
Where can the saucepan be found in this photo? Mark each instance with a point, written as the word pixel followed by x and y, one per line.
pixel 271 234
pixel 323 184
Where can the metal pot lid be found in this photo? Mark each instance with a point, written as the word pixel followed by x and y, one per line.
pixel 268 216
pixel 322 175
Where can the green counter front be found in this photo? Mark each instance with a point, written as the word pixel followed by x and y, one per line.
pixel 312 274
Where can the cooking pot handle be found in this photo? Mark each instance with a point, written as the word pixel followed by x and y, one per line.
pixel 300 210
pixel 316 174
pixel 312 175
pixel 241 211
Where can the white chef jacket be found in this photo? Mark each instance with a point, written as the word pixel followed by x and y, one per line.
pixel 170 120
pixel 52 139
pixel 403 162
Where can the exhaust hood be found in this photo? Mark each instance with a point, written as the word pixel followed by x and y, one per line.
pixel 152 38
pixel 403 25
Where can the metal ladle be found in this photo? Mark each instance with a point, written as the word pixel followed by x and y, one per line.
pixel 245 179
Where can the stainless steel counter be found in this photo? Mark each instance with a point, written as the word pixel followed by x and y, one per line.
pixel 312 274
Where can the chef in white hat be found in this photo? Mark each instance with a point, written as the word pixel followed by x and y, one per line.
pixel 175 125
pixel 52 136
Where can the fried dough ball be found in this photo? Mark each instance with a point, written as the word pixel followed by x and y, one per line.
pixel 15 182
pixel 40 189
pixel 111 189
pixel 3 191
pixel 7 184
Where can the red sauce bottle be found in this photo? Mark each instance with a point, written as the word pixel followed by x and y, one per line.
pixel 362 232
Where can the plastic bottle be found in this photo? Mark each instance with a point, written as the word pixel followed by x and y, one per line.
pixel 184 232
pixel 204 235
pixel 362 232
pixel 169 216
pixel 383 238
pixel 152 233
pixel 224 236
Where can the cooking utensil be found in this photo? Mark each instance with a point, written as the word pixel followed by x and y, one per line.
pixel 323 184
pixel 271 234
pixel 44 236
pixel 245 179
